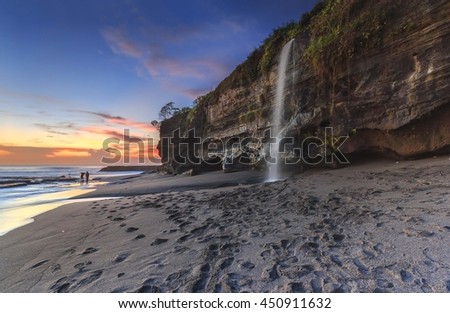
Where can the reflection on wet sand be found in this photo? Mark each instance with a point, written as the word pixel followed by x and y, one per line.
pixel 22 211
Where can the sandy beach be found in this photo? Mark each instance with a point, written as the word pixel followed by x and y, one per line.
pixel 382 226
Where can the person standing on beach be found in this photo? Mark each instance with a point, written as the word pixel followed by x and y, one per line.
pixel 82 176
pixel 87 176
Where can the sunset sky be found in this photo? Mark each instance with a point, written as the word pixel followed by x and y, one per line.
pixel 74 73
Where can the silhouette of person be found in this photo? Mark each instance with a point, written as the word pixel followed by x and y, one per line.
pixel 82 176
pixel 87 176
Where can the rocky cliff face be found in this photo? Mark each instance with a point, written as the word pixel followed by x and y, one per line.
pixel 390 95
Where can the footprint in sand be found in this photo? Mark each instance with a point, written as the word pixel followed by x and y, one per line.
pixel 200 285
pixel 276 249
pixel 271 274
pixel 368 254
pixel 131 229
pixel 70 251
pixel 39 264
pixel 311 246
pixel 121 257
pixel 213 247
pixel 361 267
pixel 316 285
pixel 378 247
pixel 406 276
pixel 284 243
pixel 297 287
pixel 60 288
pixel 179 249
pixel 159 241
pixel 384 284
pixel 81 266
pixel 218 288
pixel 170 231
pixel 148 289
pixel 338 237
pixel 335 259
pixel 236 281
pixel 183 238
pixel 226 263
pixel 247 265
pixel 139 237
pixel 91 277
pixel 89 251
pixel 55 267
pixel 343 288
pixel 425 286
pixel 265 254
pixel 175 276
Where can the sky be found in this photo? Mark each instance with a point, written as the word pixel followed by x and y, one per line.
pixel 76 73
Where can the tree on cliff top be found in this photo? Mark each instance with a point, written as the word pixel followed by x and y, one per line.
pixel 167 111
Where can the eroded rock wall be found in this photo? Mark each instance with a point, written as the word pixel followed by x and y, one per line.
pixel 393 98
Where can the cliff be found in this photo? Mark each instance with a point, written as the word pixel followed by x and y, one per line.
pixel 375 71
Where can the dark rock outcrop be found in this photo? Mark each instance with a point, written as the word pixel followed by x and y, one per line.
pixel 392 98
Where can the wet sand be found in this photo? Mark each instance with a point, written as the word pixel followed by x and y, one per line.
pixel 375 227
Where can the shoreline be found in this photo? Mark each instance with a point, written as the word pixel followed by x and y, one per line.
pixel 21 211
pixel 131 168
pixel 377 227
pixel 152 183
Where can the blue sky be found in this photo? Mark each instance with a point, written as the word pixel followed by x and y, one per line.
pixel 63 62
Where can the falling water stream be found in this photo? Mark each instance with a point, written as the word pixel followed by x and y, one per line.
pixel 277 117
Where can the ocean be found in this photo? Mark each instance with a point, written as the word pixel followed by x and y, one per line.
pixel 29 191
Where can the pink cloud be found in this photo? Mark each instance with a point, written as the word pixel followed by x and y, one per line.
pixel 131 137
pixel 119 120
pixel 119 43
pixel 155 61
pixel 193 93
pixel 197 68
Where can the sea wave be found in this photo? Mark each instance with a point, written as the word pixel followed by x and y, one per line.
pixel 11 182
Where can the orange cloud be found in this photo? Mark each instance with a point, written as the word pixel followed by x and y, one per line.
pixel 26 155
pixel 23 155
pixel 65 153
pixel 5 153
pixel 102 131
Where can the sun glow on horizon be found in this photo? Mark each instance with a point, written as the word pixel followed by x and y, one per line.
pixel 86 144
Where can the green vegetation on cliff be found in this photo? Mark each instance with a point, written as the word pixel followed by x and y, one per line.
pixel 261 60
pixel 343 29
pixel 337 29
pixel 257 64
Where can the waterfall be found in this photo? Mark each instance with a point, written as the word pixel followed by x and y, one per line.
pixel 277 117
